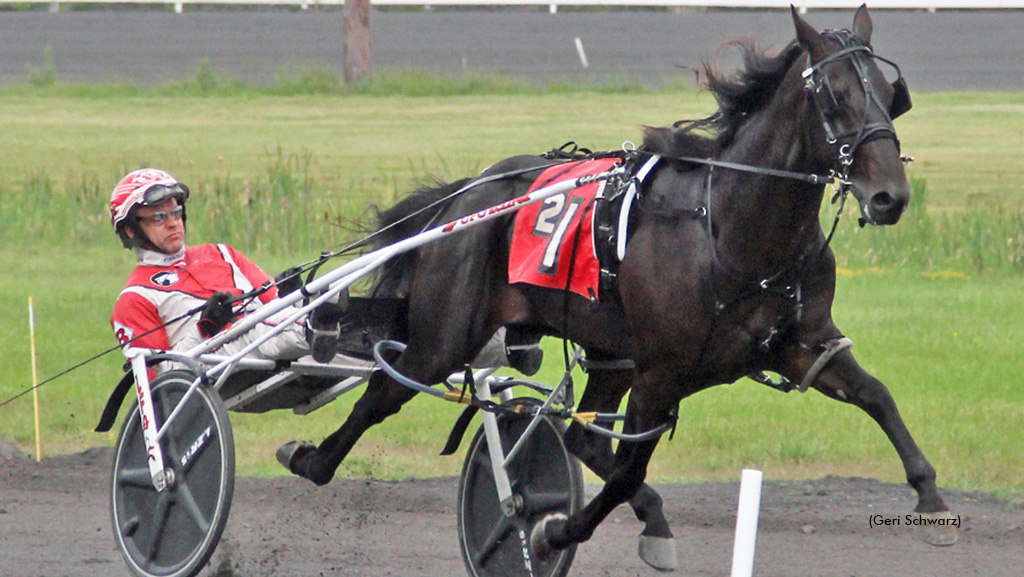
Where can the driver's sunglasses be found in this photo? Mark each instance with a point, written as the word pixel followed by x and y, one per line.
pixel 158 218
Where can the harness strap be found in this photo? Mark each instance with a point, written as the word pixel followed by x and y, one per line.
pixel 612 365
pixel 109 416
pixel 622 234
pixel 811 178
pixel 832 348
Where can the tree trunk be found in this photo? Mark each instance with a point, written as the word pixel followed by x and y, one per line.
pixel 357 40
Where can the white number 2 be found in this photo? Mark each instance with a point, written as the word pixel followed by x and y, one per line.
pixel 547 218
pixel 553 222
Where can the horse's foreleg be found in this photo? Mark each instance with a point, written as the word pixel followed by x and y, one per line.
pixel 845 380
pixel 383 398
pixel 624 481
pixel 605 390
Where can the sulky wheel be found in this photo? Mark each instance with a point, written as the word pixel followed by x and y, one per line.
pixel 545 479
pixel 172 533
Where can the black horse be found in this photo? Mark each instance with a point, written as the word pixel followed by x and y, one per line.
pixel 728 272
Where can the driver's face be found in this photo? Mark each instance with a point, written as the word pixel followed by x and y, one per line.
pixel 168 236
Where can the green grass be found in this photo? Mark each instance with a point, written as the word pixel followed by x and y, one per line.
pixel 932 304
pixel 943 345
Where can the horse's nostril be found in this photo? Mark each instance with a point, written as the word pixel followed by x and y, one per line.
pixel 884 208
pixel 882 201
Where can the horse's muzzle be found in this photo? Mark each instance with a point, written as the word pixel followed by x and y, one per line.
pixel 882 208
pixel 885 208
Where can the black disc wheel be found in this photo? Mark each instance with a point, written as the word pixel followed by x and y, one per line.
pixel 545 479
pixel 173 532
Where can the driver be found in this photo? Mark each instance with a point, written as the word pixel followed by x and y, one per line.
pixel 147 211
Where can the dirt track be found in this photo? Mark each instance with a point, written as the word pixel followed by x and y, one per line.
pixel 54 522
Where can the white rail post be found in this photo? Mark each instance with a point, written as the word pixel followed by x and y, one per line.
pixel 746 523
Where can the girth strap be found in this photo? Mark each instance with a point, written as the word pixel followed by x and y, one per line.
pixel 607 365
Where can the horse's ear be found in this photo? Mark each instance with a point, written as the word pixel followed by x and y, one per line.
pixel 809 38
pixel 862 26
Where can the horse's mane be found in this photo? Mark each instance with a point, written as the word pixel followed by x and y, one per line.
pixel 416 212
pixel 739 95
pixel 413 213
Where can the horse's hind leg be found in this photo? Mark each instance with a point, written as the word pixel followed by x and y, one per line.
pixel 446 328
pixel 604 392
pixel 383 398
pixel 845 380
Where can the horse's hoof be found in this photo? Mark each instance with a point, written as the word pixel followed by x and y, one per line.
pixel 539 540
pixel 940 529
pixel 289 454
pixel 659 552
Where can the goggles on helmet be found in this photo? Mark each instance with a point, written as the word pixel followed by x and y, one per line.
pixel 144 187
pixel 161 192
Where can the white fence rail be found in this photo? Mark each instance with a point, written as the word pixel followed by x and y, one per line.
pixel 802 5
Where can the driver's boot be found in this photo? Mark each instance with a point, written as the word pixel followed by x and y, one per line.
pixel 325 329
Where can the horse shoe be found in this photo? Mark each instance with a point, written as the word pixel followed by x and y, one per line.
pixel 658 552
pixel 289 454
pixel 939 529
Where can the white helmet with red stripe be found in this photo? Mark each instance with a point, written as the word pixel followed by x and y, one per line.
pixel 144 187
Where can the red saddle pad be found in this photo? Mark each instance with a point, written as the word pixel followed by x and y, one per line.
pixel 548 234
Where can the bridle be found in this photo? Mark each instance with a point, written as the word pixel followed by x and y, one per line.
pixel 844 144
pixel 787 281
pixel 819 90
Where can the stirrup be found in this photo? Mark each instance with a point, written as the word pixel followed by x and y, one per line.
pixel 323 343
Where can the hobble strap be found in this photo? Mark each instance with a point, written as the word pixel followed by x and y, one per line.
pixel 832 348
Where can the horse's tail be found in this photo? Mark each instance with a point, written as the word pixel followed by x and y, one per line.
pixel 419 211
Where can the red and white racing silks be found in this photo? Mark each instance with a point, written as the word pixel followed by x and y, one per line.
pixel 164 288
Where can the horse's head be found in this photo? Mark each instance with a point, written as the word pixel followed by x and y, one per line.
pixel 857 106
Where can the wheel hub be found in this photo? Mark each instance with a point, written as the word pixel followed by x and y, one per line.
pixel 511 506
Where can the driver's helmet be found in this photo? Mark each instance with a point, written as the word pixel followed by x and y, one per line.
pixel 144 187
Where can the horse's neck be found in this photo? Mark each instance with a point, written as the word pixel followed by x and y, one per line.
pixel 761 220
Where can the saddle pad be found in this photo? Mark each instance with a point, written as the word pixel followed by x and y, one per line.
pixel 549 233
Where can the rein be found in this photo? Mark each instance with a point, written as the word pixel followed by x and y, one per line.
pixel 801 176
pixel 704 213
